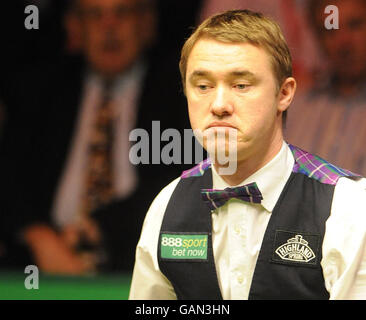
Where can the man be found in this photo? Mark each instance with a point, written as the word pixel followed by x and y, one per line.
pixel 75 199
pixel 289 231
pixel 335 105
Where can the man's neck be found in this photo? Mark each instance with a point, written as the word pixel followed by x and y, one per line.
pixel 246 167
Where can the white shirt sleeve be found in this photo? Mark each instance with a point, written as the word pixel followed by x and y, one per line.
pixel 148 282
pixel 344 245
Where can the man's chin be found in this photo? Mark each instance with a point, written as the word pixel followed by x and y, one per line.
pixel 109 68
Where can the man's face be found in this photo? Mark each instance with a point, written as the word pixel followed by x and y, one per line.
pixel 110 34
pixel 233 86
pixel 346 46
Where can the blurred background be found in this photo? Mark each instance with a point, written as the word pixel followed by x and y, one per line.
pixel 72 90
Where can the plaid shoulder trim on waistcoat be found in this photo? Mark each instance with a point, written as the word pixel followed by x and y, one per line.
pixel 197 170
pixel 317 168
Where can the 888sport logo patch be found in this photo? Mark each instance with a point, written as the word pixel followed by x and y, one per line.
pixel 183 246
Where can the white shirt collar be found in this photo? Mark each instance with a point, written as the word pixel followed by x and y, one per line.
pixel 122 81
pixel 270 179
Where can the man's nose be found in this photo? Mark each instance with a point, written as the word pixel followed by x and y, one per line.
pixel 222 104
pixel 343 40
pixel 109 19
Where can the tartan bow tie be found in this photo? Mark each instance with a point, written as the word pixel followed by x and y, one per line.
pixel 216 198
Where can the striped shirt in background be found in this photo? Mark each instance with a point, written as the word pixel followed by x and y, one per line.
pixel 332 128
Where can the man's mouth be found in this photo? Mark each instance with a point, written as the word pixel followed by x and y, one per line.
pixel 111 46
pixel 221 124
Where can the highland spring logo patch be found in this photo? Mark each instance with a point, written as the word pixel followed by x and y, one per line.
pixel 294 247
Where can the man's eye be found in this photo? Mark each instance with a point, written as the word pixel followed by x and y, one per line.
pixel 202 87
pixel 93 13
pixel 241 86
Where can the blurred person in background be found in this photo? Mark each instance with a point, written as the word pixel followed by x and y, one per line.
pixel 75 203
pixel 329 119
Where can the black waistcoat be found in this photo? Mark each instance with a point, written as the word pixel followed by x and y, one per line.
pixel 288 264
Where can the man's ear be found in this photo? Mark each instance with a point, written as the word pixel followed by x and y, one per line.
pixel 286 94
pixel 73 28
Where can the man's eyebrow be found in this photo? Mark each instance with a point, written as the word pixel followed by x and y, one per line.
pixel 235 73
pixel 199 73
pixel 243 73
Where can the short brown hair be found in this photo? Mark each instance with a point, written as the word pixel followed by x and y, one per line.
pixel 237 26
